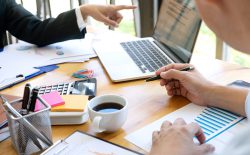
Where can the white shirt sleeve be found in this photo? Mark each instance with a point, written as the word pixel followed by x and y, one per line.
pixel 80 22
pixel 247 105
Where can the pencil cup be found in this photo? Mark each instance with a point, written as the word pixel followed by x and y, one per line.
pixel 30 133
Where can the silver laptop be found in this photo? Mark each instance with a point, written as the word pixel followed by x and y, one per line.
pixel 172 42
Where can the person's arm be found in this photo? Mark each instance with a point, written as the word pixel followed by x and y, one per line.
pixel 229 98
pixel 193 86
pixel 25 26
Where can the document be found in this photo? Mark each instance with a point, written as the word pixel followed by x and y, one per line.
pixel 78 50
pixel 14 68
pixel 219 126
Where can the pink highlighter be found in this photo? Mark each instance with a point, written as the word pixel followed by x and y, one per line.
pixel 53 99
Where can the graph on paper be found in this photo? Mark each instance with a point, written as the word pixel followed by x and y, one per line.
pixel 214 121
pixel 219 126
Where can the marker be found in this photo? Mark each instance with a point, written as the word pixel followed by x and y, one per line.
pixel 189 68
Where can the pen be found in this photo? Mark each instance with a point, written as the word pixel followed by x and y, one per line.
pixel 32 103
pixel 26 97
pixel 189 68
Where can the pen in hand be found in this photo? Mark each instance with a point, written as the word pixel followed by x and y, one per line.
pixel 157 77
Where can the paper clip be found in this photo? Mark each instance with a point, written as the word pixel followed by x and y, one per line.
pixel 81 74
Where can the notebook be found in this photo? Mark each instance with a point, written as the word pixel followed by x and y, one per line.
pixel 83 143
pixel 172 42
pixel 73 103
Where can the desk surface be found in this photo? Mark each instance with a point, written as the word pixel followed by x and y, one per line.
pixel 150 105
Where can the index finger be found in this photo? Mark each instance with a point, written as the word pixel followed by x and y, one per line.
pixel 171 66
pixel 122 7
pixel 195 130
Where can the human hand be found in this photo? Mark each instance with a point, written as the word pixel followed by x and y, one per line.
pixel 190 84
pixel 108 14
pixel 177 139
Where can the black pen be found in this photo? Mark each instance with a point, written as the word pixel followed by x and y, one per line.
pixel 189 68
pixel 26 97
pixel 33 99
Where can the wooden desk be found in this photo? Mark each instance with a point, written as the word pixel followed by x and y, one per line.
pixel 147 101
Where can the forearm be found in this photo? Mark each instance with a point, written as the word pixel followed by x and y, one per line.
pixel 27 27
pixel 229 98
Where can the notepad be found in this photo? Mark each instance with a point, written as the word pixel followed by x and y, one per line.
pixel 73 103
pixel 53 99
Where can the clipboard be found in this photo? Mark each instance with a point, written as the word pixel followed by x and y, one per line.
pixel 20 78
pixel 83 143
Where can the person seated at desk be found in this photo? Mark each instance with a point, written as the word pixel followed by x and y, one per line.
pixel 230 20
pixel 68 25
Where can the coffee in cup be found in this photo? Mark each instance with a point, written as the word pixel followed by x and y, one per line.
pixel 108 112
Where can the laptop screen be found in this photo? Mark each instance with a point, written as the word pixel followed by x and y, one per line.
pixel 177 27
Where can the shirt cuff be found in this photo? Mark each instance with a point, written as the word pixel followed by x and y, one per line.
pixel 80 22
pixel 247 105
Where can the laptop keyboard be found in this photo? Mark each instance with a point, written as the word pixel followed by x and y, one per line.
pixel 145 55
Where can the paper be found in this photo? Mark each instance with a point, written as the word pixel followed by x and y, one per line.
pixel 75 103
pixel 78 50
pixel 53 99
pixel 4 134
pixel 80 143
pixel 64 60
pixel 13 65
pixel 219 126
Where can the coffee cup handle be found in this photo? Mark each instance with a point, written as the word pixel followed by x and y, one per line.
pixel 96 124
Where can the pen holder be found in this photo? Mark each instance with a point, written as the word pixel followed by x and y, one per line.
pixel 30 133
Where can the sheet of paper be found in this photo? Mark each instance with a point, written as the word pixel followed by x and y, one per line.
pixel 13 65
pixel 218 125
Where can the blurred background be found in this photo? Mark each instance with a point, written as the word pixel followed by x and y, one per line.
pixel 140 23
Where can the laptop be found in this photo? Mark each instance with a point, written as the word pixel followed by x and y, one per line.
pixel 173 41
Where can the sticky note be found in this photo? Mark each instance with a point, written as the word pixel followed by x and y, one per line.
pixel 73 103
pixel 53 99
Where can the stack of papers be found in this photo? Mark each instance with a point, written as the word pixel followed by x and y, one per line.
pixel 68 51
pixel 17 61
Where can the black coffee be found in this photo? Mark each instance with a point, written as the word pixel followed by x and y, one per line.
pixel 108 107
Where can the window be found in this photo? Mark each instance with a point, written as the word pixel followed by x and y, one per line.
pixel 236 57
pixel 206 42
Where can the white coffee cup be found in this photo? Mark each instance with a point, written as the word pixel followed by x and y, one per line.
pixel 108 112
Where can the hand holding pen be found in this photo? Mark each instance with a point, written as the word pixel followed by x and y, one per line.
pixel 189 84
